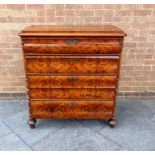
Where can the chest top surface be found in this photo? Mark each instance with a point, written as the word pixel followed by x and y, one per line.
pixel 73 30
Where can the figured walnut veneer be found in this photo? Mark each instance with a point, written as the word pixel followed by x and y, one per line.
pixel 66 109
pixel 83 46
pixel 72 81
pixel 72 71
pixel 72 65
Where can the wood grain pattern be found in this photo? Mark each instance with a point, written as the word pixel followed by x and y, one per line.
pixel 72 109
pixel 78 49
pixel 72 65
pixel 72 81
pixel 72 93
pixel 66 46
pixel 72 71
pixel 72 30
pixel 63 40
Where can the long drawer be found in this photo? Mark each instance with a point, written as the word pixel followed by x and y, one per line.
pixel 72 45
pixel 73 64
pixel 72 81
pixel 72 109
pixel 72 93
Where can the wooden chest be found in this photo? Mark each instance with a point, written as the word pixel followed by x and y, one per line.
pixel 72 72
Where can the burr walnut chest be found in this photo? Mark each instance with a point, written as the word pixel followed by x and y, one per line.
pixel 72 72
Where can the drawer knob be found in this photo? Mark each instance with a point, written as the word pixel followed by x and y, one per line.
pixel 72 79
pixel 71 41
pixel 72 104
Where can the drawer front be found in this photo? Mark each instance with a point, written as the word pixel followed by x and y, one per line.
pixel 72 93
pixel 68 49
pixel 72 65
pixel 72 81
pixel 73 46
pixel 72 109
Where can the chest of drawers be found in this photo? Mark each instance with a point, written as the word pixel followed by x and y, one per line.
pixel 72 72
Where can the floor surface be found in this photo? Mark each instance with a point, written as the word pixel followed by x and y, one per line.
pixel 135 129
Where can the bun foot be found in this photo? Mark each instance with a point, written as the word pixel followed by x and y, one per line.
pixel 32 123
pixel 112 123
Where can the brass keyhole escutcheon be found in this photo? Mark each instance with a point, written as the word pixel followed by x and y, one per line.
pixel 72 79
pixel 72 104
pixel 72 41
